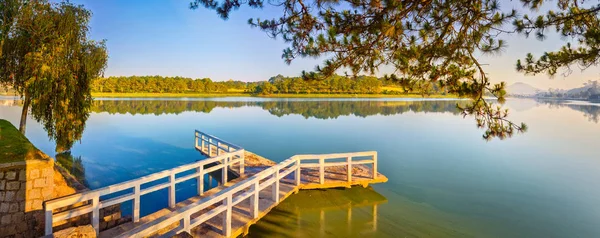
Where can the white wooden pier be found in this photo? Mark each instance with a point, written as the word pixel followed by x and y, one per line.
pixel 224 211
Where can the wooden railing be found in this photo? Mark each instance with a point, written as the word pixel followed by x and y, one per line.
pixel 90 200
pixel 223 201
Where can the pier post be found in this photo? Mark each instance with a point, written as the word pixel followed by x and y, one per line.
pixel 297 173
pixel 225 170
pixel 209 150
pixel 172 190
pixel 48 222
pixel 196 139
pixel 242 168
pixel 96 214
pixel 275 191
pixel 349 169
pixel 186 224
pixel 200 179
pixel 254 200
pixel 227 217
pixel 321 170
pixel 375 165
pixel 136 203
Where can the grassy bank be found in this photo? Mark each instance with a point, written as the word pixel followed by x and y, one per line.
pixel 290 95
pixel 14 146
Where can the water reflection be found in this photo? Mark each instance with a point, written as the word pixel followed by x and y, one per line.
pixel 73 165
pixel 323 109
pixel 591 111
pixel 343 212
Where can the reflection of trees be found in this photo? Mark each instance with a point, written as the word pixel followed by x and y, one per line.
pixel 347 211
pixel 74 165
pixel 316 109
pixel 591 112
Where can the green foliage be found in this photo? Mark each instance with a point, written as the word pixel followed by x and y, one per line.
pixel 572 19
pixel 432 41
pixel 49 61
pixel 279 84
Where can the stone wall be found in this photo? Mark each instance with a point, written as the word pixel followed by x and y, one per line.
pixel 24 186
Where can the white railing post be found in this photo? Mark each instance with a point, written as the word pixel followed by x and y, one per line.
pixel 172 190
pixel 227 218
pixel 136 203
pixel 321 170
pixel 48 221
pixel 275 192
pixel 209 150
pixel 297 173
pixel 225 169
pixel 254 200
pixel 200 179
pixel 196 139
pixel 375 165
pixel 202 142
pixel 242 168
pixel 349 168
pixel 96 214
pixel 186 224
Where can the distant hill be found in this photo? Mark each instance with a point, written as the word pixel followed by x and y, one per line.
pixel 522 89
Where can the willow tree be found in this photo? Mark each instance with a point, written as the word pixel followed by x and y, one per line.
pixel 49 61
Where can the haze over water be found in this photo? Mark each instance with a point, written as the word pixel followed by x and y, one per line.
pixel 444 179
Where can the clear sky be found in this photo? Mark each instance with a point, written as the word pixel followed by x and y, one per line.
pixel 165 37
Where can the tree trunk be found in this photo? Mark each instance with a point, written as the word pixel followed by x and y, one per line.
pixel 24 112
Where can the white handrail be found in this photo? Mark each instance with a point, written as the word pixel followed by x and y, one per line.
pixel 231 196
pixel 201 168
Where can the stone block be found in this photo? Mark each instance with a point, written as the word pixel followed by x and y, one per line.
pixel 14 207
pixel 1 175
pixel 22 175
pixel 2 196
pixel 34 173
pixel 18 218
pixel 39 183
pixel 11 175
pixel 34 193
pixel 36 204
pixel 10 196
pixel 4 207
pixel 29 185
pixel 5 219
pixel 2 183
pixel 47 193
pixel 13 185
pixel 21 195
pixel 47 172
pixel 22 206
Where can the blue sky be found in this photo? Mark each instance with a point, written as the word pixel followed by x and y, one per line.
pixel 165 37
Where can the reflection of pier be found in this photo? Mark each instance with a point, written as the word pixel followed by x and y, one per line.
pixel 227 210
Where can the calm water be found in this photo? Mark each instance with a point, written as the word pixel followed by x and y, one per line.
pixel 444 179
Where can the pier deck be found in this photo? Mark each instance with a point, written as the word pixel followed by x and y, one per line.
pixel 229 209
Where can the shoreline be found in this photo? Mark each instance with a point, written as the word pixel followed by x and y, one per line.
pixel 209 95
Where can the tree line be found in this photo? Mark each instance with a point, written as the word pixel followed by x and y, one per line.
pixel 279 84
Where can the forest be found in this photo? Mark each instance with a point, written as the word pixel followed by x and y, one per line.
pixel 279 84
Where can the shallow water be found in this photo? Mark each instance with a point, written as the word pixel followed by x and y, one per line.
pixel 444 179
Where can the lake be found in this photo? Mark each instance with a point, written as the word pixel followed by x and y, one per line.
pixel 444 179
